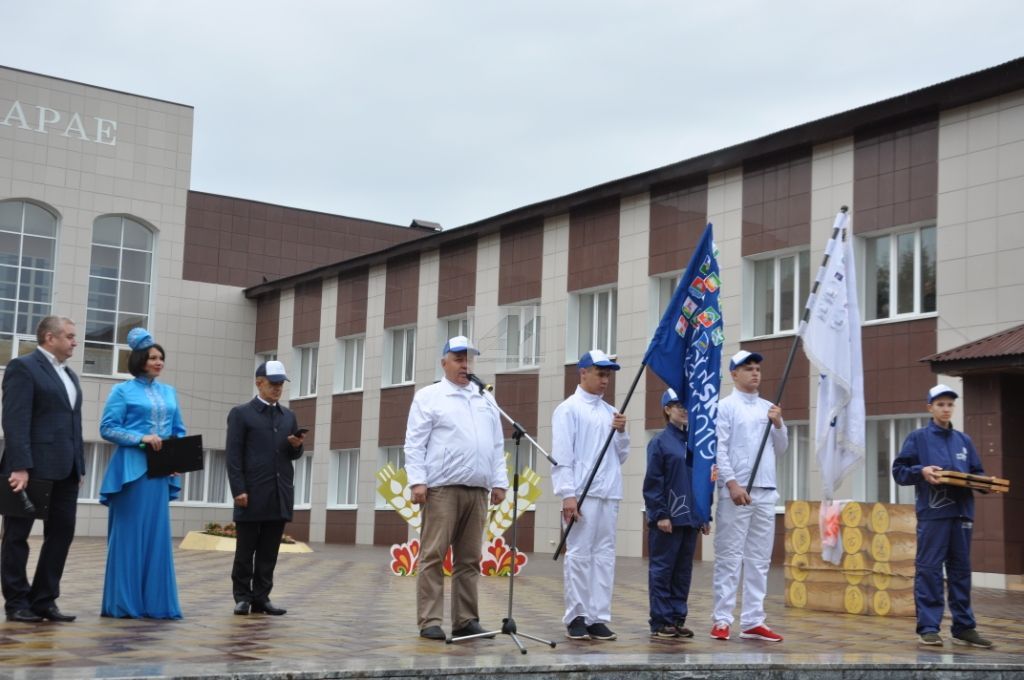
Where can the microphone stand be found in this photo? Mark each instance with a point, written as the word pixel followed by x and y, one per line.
pixel 508 624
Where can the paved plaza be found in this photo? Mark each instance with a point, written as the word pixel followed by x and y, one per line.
pixel 349 617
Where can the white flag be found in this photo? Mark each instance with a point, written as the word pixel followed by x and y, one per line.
pixel 831 337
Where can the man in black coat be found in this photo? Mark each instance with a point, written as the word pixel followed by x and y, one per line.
pixel 42 422
pixel 263 440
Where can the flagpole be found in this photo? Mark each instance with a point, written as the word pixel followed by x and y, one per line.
pixel 597 465
pixel 789 360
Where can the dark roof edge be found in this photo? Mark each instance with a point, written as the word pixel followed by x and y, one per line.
pixel 97 87
pixel 425 230
pixel 987 83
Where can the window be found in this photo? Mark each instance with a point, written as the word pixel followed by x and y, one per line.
pixel 28 244
pixel 399 356
pixel 792 468
pixel 595 322
pixel 899 276
pixel 208 486
pixel 394 456
pixel 120 274
pixel 348 368
pixel 344 478
pixel 873 481
pixel 303 480
pixel 306 385
pixel 527 454
pixel 779 294
pixel 97 458
pixel 519 337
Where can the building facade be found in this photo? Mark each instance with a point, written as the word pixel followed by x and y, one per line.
pixel 934 180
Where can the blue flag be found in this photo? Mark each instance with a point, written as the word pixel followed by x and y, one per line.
pixel 686 352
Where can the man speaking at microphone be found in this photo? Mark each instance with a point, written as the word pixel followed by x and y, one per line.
pixel 454 458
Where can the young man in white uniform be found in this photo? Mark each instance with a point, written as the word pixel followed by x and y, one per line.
pixel 745 523
pixel 580 426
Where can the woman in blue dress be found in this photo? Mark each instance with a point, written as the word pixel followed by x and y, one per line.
pixel 140 579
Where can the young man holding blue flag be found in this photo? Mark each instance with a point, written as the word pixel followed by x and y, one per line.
pixel 745 527
pixel 673 528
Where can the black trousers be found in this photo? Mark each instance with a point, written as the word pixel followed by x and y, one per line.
pixel 252 575
pixel 58 532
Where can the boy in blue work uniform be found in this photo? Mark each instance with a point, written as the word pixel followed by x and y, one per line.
pixel 945 518
pixel 672 528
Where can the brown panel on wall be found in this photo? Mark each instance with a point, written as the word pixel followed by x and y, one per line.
pixel 456 284
pixel 653 413
pixel 777 203
pixel 236 242
pixel 522 263
pixel 518 395
pixel 389 528
pixel 306 320
pixel 992 404
pixel 298 528
pixel 796 397
pixel 572 380
pixel 594 245
pixel 678 217
pixel 895 381
pixel 346 420
pixel 353 290
pixel 896 175
pixel 341 527
pixel 524 532
pixel 394 414
pixel 305 415
pixel 268 314
pixel 401 299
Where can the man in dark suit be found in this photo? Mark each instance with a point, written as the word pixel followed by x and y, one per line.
pixel 263 440
pixel 42 422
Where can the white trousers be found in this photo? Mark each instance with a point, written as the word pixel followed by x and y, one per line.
pixel 589 567
pixel 743 540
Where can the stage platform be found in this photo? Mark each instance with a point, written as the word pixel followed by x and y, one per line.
pixel 348 617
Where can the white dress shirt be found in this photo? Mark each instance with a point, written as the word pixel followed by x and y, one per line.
pixel 453 437
pixel 579 427
pixel 62 371
pixel 742 418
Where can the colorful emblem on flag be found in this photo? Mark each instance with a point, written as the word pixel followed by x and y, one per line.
pixel 689 307
pixel 681 326
pixel 697 288
pixel 717 336
pixel 712 282
pixel 705 266
pixel 702 343
pixel 708 317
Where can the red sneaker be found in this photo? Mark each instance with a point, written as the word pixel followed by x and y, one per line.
pixel 720 631
pixel 761 632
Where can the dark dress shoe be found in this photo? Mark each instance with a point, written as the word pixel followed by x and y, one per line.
pixel 53 614
pixel 241 608
pixel 432 633
pixel 24 616
pixel 267 608
pixel 471 628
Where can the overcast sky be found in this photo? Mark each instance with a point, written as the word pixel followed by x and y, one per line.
pixel 455 111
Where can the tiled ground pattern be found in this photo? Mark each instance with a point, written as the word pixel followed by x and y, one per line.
pixel 346 609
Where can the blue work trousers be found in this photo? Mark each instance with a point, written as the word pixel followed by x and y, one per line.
pixel 670 570
pixel 943 543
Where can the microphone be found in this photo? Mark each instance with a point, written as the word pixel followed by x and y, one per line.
pixel 479 383
pixel 26 504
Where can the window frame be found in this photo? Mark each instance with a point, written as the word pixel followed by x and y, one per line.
pixel 385 454
pixel 801 291
pixel 24 343
pixel 305 383
pixel 189 478
pixel 353 456
pixel 387 379
pixel 525 313
pixel 800 479
pixel 303 481
pixel 577 303
pixel 344 364
pixel 860 476
pixel 866 276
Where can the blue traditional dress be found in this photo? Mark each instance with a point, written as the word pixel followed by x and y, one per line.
pixel 140 579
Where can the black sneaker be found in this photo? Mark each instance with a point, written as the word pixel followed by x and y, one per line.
pixel 665 631
pixel 931 639
pixel 432 633
pixel 971 639
pixel 682 630
pixel 471 628
pixel 599 631
pixel 577 629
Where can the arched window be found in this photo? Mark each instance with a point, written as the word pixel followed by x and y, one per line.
pixel 28 248
pixel 120 277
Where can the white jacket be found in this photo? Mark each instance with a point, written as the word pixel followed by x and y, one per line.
pixel 579 428
pixel 742 418
pixel 453 436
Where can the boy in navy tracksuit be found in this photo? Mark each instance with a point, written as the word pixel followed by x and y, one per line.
pixel 673 529
pixel 945 518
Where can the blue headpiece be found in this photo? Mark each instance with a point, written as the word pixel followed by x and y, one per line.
pixel 139 338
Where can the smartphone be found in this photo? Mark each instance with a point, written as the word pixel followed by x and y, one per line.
pixel 301 431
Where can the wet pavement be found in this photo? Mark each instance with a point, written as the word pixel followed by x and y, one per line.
pixel 348 616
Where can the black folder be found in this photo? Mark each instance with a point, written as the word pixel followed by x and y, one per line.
pixel 39 492
pixel 183 454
